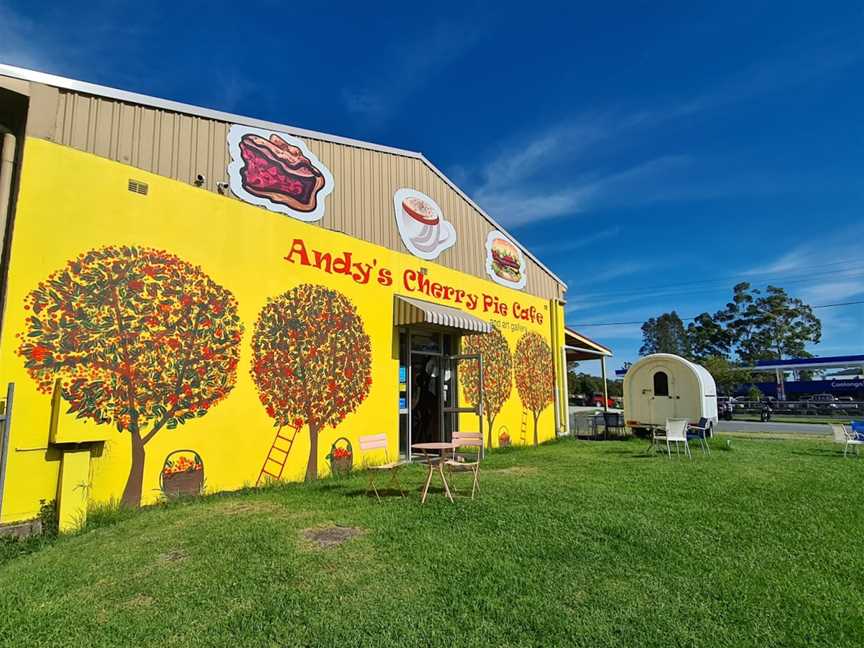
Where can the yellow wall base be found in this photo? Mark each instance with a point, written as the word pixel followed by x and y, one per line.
pixel 72 489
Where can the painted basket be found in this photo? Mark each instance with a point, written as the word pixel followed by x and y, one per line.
pixel 504 439
pixel 341 457
pixel 182 474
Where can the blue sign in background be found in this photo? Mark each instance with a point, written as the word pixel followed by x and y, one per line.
pixel 843 387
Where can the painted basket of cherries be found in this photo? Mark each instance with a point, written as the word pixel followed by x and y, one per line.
pixel 341 457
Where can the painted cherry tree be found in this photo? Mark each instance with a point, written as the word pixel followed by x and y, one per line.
pixel 497 373
pixel 138 338
pixel 534 379
pixel 311 361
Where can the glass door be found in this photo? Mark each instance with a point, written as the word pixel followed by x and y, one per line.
pixel 428 383
pixel 463 379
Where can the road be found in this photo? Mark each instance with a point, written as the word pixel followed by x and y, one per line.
pixel 749 426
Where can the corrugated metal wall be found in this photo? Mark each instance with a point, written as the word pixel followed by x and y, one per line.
pixel 181 146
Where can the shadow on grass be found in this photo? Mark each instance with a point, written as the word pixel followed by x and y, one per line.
pixel 826 453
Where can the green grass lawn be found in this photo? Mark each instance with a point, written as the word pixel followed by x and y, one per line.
pixel 575 543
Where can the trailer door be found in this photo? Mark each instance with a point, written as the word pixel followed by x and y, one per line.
pixel 663 399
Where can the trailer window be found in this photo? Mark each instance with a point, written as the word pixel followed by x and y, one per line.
pixel 661 384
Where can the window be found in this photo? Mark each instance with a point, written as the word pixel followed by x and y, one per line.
pixel 661 384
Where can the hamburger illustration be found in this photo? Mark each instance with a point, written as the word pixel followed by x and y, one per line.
pixel 278 171
pixel 506 260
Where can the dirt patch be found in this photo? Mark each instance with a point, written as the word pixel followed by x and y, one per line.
pixel 331 536
pixel 175 555
pixel 522 471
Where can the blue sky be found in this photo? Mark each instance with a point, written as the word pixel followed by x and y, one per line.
pixel 652 154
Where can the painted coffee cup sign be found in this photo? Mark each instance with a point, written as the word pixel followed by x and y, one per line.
pixel 421 224
pixel 277 171
pixel 505 263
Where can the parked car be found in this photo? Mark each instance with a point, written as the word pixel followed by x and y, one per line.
pixel 740 402
pixel 823 401
pixel 825 398
pixel 597 401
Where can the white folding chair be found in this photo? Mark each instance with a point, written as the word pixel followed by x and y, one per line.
pixel 372 442
pixel 843 434
pixel 467 462
pixel 676 431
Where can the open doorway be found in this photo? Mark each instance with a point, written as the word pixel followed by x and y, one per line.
pixel 430 386
pixel 430 408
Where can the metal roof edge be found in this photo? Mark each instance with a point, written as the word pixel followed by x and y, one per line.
pixel 190 109
pixel 207 113
pixel 852 359
pixel 569 330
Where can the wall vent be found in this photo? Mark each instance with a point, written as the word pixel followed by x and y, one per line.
pixel 136 186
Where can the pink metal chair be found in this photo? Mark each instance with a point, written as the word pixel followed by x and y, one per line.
pixel 467 461
pixel 372 442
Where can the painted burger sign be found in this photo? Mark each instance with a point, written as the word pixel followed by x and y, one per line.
pixel 277 171
pixel 505 263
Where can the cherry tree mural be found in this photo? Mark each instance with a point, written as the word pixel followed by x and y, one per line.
pixel 311 361
pixel 138 338
pixel 497 373
pixel 534 379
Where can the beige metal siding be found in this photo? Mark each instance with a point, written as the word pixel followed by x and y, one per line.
pixel 181 146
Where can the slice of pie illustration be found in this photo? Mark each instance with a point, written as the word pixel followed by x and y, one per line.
pixel 278 171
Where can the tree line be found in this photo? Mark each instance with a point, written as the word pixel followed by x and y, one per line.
pixel 755 325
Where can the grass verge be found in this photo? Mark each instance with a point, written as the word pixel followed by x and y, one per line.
pixel 574 543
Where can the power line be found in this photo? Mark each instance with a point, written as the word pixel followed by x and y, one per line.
pixel 639 294
pixel 741 275
pixel 669 289
pixel 687 319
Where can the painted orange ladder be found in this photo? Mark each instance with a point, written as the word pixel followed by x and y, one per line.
pixel 523 437
pixel 277 456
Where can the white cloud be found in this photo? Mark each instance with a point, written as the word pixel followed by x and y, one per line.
pixel 573 244
pixel 831 292
pixel 545 174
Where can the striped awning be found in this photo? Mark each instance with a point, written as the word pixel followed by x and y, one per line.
pixel 407 310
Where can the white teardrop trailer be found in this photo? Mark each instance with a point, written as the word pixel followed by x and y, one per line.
pixel 664 386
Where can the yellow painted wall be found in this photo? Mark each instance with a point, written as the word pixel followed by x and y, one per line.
pixel 72 202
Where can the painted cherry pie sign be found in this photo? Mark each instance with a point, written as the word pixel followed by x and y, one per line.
pixel 277 171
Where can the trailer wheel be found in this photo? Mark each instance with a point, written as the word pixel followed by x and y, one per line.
pixel 641 432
